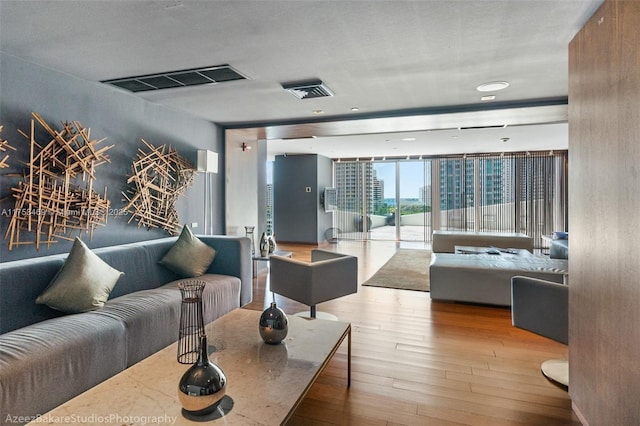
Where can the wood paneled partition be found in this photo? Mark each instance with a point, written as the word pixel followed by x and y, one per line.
pixel 604 216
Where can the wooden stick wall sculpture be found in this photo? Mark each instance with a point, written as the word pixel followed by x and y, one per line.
pixel 55 198
pixel 4 144
pixel 159 176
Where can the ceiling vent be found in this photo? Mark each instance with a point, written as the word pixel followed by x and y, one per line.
pixel 308 89
pixel 173 79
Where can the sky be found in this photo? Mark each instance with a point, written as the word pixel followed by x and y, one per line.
pixel 411 178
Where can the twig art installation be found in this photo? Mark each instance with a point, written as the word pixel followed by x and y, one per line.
pixel 4 145
pixel 55 198
pixel 159 176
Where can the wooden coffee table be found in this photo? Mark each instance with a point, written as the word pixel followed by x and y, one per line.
pixel 265 383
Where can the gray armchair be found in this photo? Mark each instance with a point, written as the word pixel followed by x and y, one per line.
pixel 329 275
pixel 542 307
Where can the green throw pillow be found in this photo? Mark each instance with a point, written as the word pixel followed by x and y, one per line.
pixel 188 256
pixel 82 284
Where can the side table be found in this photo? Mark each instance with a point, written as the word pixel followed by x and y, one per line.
pixel 259 258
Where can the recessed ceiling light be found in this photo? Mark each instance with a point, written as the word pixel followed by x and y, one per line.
pixel 354 109
pixel 492 86
pixel 408 139
pixel 488 98
pixel 318 111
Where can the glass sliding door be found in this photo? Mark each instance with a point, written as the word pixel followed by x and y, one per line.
pixel 414 201
pixel 351 219
pixel 383 200
pixel 396 196
pixel 404 200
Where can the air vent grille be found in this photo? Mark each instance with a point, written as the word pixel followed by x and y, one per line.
pixel 308 89
pixel 181 78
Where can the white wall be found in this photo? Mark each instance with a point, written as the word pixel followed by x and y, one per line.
pixel 241 186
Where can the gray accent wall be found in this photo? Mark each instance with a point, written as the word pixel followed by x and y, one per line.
pixel 123 119
pixel 298 182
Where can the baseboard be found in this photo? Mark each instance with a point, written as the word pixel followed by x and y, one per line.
pixel 576 410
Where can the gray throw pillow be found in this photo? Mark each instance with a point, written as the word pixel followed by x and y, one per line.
pixel 82 284
pixel 188 256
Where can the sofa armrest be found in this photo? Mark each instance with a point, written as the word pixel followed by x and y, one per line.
pixel 541 307
pixel 233 257
pixel 332 278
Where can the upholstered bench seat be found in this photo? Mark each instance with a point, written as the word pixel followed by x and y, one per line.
pixel 486 278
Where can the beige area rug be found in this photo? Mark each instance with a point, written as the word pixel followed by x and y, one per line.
pixel 407 270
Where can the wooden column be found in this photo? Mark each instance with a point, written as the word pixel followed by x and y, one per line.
pixel 604 216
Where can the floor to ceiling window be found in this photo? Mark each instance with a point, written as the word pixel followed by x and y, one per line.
pixel 407 199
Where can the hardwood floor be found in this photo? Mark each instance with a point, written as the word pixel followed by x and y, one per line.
pixel 418 362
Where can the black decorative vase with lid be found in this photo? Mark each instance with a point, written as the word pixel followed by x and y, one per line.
pixel 203 385
pixel 274 325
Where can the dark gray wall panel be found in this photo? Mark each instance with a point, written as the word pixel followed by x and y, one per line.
pixel 325 180
pixel 121 117
pixel 295 209
pixel 298 215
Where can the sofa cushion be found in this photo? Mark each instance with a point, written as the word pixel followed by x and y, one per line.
pixel 150 317
pixel 83 283
pixel 559 249
pixel 141 272
pixel 45 364
pixel 146 312
pixel 188 256
pixel 21 282
pixel 221 295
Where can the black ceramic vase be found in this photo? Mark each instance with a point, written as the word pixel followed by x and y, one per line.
pixel 203 385
pixel 274 325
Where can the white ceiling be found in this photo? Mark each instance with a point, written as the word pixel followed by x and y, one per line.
pixel 384 57
pixel 541 137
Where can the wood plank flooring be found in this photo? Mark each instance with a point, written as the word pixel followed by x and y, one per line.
pixel 418 362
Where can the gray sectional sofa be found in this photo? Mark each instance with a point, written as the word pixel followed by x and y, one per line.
pixel 486 278
pixel 47 357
